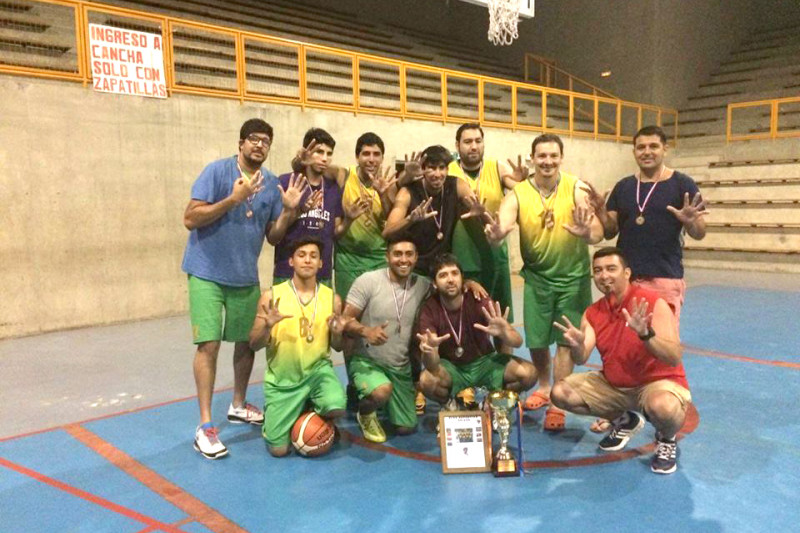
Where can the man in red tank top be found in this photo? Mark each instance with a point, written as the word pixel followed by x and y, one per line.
pixel 635 332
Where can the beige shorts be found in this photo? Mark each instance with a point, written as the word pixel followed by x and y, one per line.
pixel 609 402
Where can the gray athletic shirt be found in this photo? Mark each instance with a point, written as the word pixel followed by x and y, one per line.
pixel 372 293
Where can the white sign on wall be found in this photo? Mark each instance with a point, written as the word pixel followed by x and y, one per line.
pixel 127 62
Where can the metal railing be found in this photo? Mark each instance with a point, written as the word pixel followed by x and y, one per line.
pixel 750 116
pixel 211 60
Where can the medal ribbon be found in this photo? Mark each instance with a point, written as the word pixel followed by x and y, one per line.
pixel 456 336
pixel 398 307
pixel 647 198
pixel 302 312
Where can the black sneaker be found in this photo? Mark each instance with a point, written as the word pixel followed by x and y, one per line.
pixel 664 459
pixel 622 429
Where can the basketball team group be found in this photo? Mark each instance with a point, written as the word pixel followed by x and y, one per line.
pixel 405 270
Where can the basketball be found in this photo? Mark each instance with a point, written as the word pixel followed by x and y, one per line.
pixel 312 435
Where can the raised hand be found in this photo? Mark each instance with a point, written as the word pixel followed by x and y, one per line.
pixel 376 335
pixel 338 322
pixel 305 155
pixel 497 321
pixel 476 208
pixel 492 229
pixel 422 212
pixel 582 222
pixel 596 200
pixel 313 201
pixel 691 211
pixel 572 335
pixel 382 182
pixel 519 171
pixel 292 196
pixel 245 187
pixel 355 209
pixel 270 313
pixel 429 341
pixel 639 319
pixel 412 168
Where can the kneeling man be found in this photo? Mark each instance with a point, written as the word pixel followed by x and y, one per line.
pixel 298 321
pixel 635 332
pixel 455 336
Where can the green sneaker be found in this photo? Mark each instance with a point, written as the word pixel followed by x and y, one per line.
pixel 371 427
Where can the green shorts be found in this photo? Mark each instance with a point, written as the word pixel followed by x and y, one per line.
pixel 544 304
pixel 324 281
pixel 207 299
pixel 485 371
pixel 367 375
pixel 349 266
pixel 497 282
pixel 283 405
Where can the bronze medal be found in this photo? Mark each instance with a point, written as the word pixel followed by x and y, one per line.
pixel 440 236
pixel 310 339
pixel 640 219
pixel 459 351
pixel 249 213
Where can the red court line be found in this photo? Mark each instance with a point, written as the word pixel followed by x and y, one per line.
pixel 97 500
pixel 150 529
pixel 741 358
pixel 198 510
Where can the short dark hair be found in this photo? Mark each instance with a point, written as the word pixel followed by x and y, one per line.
pixel 443 260
pixel 651 130
pixel 303 241
pixel 254 125
pixel 401 237
pixel 547 138
pixel 369 139
pixel 608 251
pixel 468 126
pixel 436 155
pixel 319 135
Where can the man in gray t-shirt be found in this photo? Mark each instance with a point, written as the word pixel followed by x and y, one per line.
pixel 382 306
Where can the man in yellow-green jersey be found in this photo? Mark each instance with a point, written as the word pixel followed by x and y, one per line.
pixel 556 225
pixel 488 179
pixel 298 321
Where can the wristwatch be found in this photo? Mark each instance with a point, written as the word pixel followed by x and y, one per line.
pixel 649 335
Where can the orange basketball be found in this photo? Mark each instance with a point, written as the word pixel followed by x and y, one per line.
pixel 312 435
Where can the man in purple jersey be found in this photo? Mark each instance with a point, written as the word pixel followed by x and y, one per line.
pixel 325 218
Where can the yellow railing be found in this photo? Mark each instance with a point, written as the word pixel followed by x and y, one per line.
pixel 752 114
pixel 249 66
pixel 543 71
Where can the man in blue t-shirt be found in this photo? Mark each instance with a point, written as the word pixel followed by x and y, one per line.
pixel 235 203
pixel 650 211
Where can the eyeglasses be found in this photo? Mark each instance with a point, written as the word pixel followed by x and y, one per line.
pixel 255 140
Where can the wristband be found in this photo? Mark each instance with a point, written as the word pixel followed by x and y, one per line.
pixel 649 335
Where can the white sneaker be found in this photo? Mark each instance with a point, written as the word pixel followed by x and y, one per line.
pixel 247 414
pixel 207 443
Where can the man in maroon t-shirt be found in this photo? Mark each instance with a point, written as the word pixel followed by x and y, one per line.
pixel 635 332
pixel 455 331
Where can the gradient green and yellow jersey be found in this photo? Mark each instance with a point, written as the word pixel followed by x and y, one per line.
pixel 469 241
pixel 552 255
pixel 291 357
pixel 363 237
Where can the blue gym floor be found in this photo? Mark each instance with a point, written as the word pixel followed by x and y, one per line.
pixel 739 459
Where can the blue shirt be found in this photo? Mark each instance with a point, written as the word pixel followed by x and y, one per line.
pixel 226 251
pixel 654 249
pixel 320 223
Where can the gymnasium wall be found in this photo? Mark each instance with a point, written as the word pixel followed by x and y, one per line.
pixel 94 187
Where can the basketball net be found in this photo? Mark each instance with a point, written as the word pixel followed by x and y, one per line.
pixel 503 18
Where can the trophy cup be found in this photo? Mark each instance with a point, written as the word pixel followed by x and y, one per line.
pixel 503 402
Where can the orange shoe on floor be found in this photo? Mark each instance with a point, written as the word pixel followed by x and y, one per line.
pixel 554 420
pixel 535 401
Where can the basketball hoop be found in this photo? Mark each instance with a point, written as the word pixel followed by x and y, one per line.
pixel 503 18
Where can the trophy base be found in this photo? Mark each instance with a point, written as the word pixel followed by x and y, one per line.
pixel 505 468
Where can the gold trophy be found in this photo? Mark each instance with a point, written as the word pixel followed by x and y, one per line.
pixel 503 402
